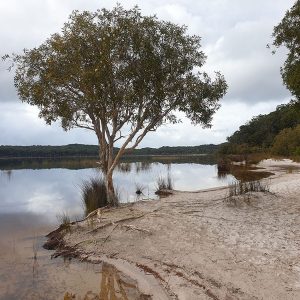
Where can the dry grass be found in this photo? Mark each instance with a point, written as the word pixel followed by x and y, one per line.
pixel 93 194
pixel 139 189
pixel 240 187
pixel 63 218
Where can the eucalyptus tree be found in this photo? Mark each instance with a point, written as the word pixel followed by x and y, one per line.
pixel 287 33
pixel 119 74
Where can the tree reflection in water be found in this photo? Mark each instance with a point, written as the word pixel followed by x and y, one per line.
pixel 7 173
pixel 124 167
pixel 142 166
pixel 113 286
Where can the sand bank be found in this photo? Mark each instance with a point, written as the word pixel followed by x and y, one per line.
pixel 199 245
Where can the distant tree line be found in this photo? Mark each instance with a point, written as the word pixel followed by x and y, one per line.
pixel 81 150
pixel 276 132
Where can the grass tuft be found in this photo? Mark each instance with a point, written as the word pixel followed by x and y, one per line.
pixel 139 189
pixel 164 184
pixel 64 221
pixel 94 194
pixel 243 187
pixel 63 218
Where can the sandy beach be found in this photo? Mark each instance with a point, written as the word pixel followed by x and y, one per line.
pixel 202 245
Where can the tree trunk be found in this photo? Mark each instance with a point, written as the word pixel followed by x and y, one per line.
pixel 111 196
pixel 106 160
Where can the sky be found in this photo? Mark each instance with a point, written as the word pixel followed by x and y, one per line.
pixel 234 38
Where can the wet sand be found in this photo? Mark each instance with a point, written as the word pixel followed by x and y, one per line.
pixel 200 245
pixel 27 271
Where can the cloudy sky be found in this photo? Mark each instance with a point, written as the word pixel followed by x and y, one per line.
pixel 234 37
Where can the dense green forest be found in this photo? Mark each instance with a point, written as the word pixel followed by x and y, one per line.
pixel 93 150
pixel 271 132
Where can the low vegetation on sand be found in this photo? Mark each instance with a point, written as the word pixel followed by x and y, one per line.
pixel 240 188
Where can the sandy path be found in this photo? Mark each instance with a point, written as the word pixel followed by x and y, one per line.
pixel 199 246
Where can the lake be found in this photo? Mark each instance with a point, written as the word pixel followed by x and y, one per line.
pixel 34 192
pixel 52 187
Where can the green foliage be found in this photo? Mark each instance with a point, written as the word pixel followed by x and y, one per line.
pixel 80 150
pixel 286 33
pixel 117 67
pixel 260 132
pixel 108 69
pixel 287 142
pixel 241 149
pixel 49 151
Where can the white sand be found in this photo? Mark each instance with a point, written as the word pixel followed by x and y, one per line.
pixel 199 246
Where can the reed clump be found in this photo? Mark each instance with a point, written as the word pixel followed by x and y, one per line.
pixel 164 185
pixel 139 189
pixel 243 187
pixel 64 220
pixel 94 194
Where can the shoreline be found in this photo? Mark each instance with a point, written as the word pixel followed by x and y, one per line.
pixel 199 245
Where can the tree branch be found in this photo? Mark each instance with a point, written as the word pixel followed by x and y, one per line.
pixel 84 126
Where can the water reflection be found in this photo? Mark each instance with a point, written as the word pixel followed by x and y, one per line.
pixel 28 273
pixel 242 173
pixel 7 174
pixel 113 285
pixel 143 166
pixel 53 191
pixel 139 166
pixel 124 167
pixel 76 163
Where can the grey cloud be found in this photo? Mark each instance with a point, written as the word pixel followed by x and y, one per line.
pixel 234 36
pixel 252 72
pixel 7 90
pixel 20 124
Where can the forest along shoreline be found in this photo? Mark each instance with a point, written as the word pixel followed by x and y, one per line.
pixel 200 245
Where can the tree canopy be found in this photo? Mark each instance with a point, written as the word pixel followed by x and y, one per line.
pixel 287 33
pixel 261 131
pixel 287 142
pixel 119 74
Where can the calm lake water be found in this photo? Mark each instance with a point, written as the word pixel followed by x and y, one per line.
pixel 33 192
pixel 51 187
